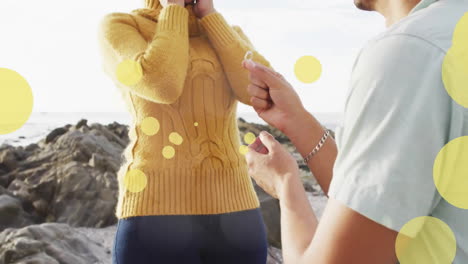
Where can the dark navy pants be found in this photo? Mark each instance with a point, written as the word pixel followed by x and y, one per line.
pixel 231 238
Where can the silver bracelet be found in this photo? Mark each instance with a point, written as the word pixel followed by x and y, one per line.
pixel 318 147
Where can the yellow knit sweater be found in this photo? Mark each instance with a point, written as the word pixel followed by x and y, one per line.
pixel 183 158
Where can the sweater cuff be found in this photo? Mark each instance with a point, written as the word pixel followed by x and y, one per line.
pixel 173 18
pixel 219 31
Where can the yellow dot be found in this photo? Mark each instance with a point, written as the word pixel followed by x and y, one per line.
pixel 460 35
pixel 195 124
pixel 243 149
pixel 16 101
pixel 175 138
pixel 425 240
pixel 168 152
pixel 150 126
pixel 249 138
pixel 129 72
pixel 135 181
pixel 308 69
pixel 455 74
pixel 450 172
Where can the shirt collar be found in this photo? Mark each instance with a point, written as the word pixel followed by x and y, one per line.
pixel 423 4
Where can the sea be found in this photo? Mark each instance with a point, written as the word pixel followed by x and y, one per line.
pixel 41 123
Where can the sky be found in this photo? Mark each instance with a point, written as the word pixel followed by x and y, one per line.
pixel 54 45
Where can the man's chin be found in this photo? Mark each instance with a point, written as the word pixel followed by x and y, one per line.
pixel 366 5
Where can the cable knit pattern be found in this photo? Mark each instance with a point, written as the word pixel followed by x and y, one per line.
pixel 192 80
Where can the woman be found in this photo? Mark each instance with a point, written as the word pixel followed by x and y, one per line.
pixel 184 192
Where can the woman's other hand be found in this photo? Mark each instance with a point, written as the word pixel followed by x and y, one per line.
pixel 165 3
pixel 203 8
pixel 273 98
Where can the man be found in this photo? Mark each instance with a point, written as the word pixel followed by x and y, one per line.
pixel 378 175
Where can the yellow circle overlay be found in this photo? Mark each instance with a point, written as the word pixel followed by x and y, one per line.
pixel 150 126
pixel 243 149
pixel 16 101
pixel 129 72
pixel 195 124
pixel 175 138
pixel 425 240
pixel 460 35
pixel 249 138
pixel 450 172
pixel 455 74
pixel 308 69
pixel 135 181
pixel 168 152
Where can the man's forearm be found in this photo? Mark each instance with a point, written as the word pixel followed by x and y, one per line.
pixel 298 221
pixel 305 132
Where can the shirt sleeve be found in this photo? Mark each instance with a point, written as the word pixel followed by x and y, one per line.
pixel 397 119
pixel 231 45
pixel 164 60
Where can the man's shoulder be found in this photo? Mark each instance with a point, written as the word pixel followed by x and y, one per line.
pixel 434 25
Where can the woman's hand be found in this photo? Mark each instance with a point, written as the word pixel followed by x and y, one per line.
pixel 203 8
pixel 165 3
pixel 273 98
pixel 270 164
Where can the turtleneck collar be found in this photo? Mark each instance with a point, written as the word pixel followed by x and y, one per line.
pixel 154 7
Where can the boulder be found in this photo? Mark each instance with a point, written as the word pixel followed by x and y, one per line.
pixel 50 243
pixel 271 216
pixel 73 178
pixel 54 134
pixel 8 159
pixel 13 212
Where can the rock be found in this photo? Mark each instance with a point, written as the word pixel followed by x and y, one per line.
pixel 97 161
pixel 271 216
pixel 31 147
pixel 12 213
pixel 54 134
pixel 82 122
pixel 245 127
pixel 72 180
pixel 275 256
pixel 48 244
pixel 8 159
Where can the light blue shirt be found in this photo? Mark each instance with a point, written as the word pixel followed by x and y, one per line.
pixel 398 117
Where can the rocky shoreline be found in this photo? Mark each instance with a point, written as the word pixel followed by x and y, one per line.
pixel 57 196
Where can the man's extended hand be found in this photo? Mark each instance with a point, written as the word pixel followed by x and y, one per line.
pixel 270 164
pixel 273 98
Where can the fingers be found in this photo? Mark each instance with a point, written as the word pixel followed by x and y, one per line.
pixel 251 157
pixel 268 141
pixel 258 92
pixel 262 74
pixel 258 146
pixel 260 105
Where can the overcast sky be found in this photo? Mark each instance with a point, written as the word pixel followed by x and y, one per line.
pixel 53 44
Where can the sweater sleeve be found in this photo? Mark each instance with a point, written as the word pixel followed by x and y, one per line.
pixel 164 60
pixel 231 45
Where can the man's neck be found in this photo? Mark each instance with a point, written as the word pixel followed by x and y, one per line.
pixel 394 10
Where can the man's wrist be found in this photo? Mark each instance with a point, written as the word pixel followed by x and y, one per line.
pixel 294 122
pixel 286 182
pixel 289 184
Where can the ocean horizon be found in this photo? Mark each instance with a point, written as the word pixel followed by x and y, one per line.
pixel 41 123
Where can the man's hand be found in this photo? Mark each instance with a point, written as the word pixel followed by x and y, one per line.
pixel 203 8
pixel 270 164
pixel 273 98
